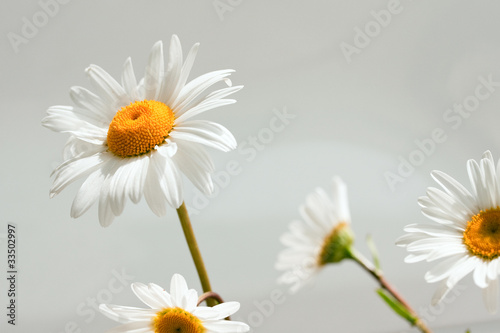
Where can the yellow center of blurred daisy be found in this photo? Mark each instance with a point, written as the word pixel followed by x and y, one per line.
pixel 482 235
pixel 136 129
pixel 176 320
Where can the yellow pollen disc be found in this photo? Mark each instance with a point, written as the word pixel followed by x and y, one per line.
pixel 177 320
pixel 136 129
pixel 482 235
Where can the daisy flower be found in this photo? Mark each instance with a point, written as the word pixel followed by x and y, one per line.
pixel 465 234
pixel 172 312
pixel 323 237
pixel 132 138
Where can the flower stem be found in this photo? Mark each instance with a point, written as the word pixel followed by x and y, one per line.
pixel 377 274
pixel 195 252
pixel 208 295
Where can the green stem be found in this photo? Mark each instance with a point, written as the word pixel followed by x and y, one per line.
pixel 195 252
pixel 377 275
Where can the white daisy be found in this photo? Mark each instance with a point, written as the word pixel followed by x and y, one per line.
pixel 132 138
pixel 466 232
pixel 173 312
pixel 323 237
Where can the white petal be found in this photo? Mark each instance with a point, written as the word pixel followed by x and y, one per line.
pixel 448 205
pixel 437 215
pixel 105 210
pixel 205 132
pixel 440 293
pixel 178 288
pixel 457 190
pixel 63 119
pixel 488 156
pixel 446 251
pixel 87 100
pixel 125 314
pixel 129 81
pixel 211 101
pixel 203 106
pixel 137 179
pixel 412 258
pixel 76 148
pixel 226 309
pixel 225 326
pixel 476 179
pixel 190 300
pixel 109 90
pixel 490 296
pixel 118 186
pixel 193 89
pixel 186 68
pixel 168 92
pixel 431 243
pixel 443 269
pixel 71 171
pixel 161 294
pixel 88 193
pixel 435 230
pixel 493 267
pixel 409 238
pixel 490 181
pixel 480 274
pixel 134 327
pixel 340 199
pixel 154 71
pixel 147 296
pixel 196 165
pixel 205 313
pixel 153 192
pixel 170 180
pixel 461 269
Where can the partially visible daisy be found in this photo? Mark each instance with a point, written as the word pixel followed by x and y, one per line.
pixel 465 234
pixel 172 312
pixel 132 138
pixel 324 236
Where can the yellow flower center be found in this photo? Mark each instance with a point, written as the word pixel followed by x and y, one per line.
pixel 136 129
pixel 177 320
pixel 482 235
pixel 336 245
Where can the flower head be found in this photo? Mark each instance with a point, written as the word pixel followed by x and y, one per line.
pixel 465 234
pixel 323 237
pixel 173 312
pixel 137 138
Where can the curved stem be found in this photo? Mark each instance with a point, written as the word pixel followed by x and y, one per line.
pixel 209 295
pixel 195 251
pixel 377 275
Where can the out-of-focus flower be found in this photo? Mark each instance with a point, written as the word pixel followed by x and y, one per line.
pixel 324 236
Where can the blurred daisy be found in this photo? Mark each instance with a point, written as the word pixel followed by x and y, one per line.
pixel 466 232
pixel 132 138
pixel 176 311
pixel 323 237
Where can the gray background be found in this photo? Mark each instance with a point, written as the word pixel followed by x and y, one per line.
pixel 354 119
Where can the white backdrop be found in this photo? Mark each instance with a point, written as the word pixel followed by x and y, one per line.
pixel 362 95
